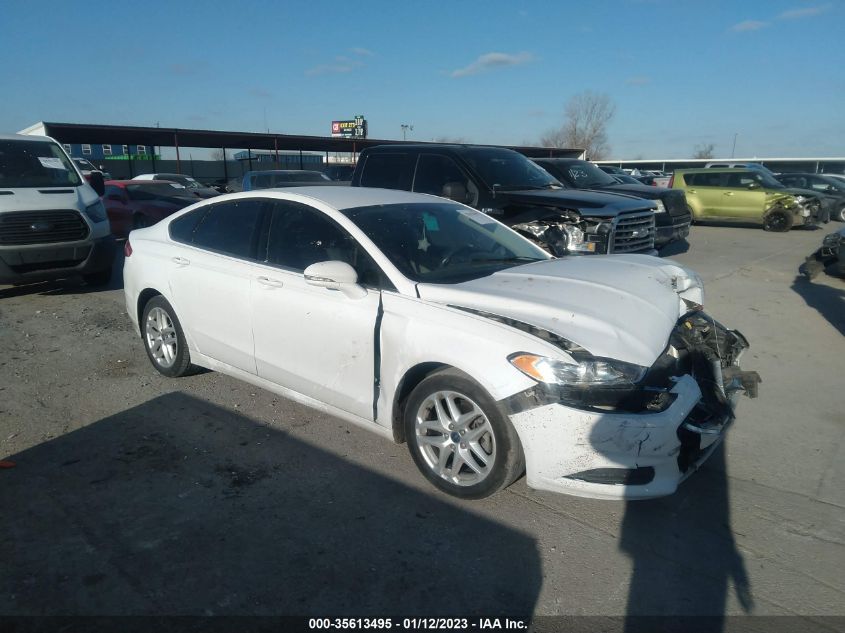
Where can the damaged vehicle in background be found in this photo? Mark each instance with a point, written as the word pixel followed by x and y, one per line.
pixel 672 217
pixel 746 195
pixel 599 377
pixel 506 185
pixel 830 256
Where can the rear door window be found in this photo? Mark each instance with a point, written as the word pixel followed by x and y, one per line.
pixel 388 171
pixel 230 228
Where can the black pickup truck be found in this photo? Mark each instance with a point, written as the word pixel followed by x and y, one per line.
pixel 673 216
pixel 509 187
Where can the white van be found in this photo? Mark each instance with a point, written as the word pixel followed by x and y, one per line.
pixel 52 221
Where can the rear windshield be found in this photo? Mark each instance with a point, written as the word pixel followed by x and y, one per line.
pixel 35 164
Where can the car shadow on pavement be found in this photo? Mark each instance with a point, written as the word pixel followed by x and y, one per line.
pixel 674 248
pixel 178 506
pixel 828 302
pixel 685 560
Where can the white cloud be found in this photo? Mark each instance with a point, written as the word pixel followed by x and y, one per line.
pixel 493 60
pixel 807 12
pixel 749 25
pixel 362 52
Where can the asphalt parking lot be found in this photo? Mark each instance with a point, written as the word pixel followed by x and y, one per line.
pixel 135 494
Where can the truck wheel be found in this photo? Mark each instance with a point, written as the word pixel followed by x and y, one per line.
pixel 777 221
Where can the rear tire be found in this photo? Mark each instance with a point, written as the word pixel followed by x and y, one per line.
pixel 777 220
pixel 164 340
pixel 459 439
pixel 840 213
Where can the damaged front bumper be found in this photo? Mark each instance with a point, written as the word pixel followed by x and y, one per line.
pixel 645 443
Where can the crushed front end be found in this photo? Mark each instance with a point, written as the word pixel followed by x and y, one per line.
pixel 644 440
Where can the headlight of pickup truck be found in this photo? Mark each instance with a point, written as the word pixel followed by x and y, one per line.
pixel 576 240
pixel 595 371
pixel 661 208
pixel 96 212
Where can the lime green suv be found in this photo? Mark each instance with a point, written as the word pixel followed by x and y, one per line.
pixel 742 195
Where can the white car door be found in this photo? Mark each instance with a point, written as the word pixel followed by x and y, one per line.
pixel 313 340
pixel 211 278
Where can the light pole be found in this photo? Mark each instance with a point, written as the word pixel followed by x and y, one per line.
pixel 733 149
pixel 405 127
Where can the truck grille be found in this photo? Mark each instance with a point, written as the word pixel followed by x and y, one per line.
pixel 634 232
pixel 42 227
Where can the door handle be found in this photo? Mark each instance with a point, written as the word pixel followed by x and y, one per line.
pixel 180 260
pixel 267 281
pixel 728 193
pixel 691 191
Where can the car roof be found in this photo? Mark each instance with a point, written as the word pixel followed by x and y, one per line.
pixel 421 147
pixel 351 197
pixel 25 137
pixel 283 171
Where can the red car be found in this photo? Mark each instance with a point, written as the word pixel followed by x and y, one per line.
pixel 134 204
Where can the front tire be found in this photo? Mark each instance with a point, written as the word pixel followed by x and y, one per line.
pixel 840 213
pixel 777 220
pixel 459 439
pixel 164 339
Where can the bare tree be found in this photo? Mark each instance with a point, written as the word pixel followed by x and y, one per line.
pixel 458 140
pixel 704 150
pixel 587 116
pixel 218 154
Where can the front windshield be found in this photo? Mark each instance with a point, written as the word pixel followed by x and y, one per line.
pixel 436 242
pixel 509 171
pixel 585 175
pixel 768 181
pixel 33 164
pixel 156 191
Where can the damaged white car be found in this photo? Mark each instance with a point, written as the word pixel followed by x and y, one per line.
pixel 431 323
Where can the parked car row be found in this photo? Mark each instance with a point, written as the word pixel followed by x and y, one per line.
pixel 435 320
pixel 747 195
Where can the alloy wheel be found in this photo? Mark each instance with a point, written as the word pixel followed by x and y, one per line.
pixel 455 438
pixel 161 339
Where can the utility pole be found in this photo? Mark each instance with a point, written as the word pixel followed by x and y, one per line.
pixel 733 149
pixel 405 127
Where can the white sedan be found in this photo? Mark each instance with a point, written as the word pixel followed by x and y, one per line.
pixel 433 324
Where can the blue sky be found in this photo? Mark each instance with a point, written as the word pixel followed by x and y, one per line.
pixel 681 73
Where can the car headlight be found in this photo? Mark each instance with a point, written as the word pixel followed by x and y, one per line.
pixel 661 208
pixel 800 199
pixel 594 371
pixel 576 240
pixel 96 212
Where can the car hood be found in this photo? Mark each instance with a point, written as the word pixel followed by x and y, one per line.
pixel 44 198
pixel 641 191
pixel 588 203
pixel 614 306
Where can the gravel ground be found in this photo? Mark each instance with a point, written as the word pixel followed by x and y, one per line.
pixel 136 494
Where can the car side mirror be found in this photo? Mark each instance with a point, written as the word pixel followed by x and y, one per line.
pixel 753 185
pixel 456 191
pixel 335 275
pixel 97 183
